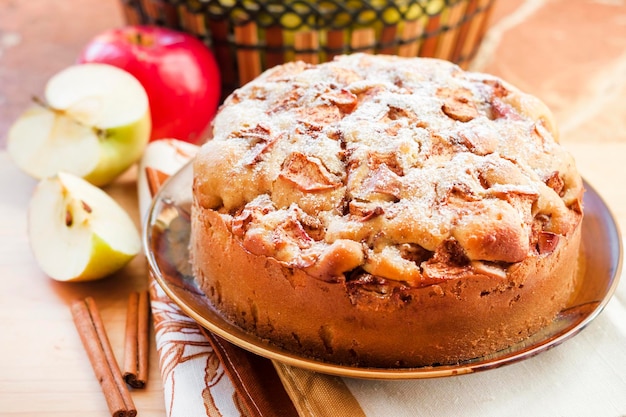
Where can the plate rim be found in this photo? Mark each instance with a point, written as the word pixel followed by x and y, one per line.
pixel 274 352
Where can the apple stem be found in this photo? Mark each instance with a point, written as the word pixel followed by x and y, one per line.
pixel 39 101
pixel 86 206
pixel 100 133
pixel 139 38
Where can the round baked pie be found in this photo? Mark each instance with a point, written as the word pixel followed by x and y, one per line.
pixel 381 211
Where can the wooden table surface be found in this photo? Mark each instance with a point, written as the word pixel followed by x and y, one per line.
pixel 570 53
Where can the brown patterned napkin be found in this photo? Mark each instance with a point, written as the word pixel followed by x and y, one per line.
pixel 203 375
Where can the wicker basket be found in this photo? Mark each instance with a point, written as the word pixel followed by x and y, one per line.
pixel 249 36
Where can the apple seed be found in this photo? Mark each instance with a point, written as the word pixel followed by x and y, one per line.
pixel 39 101
pixel 86 206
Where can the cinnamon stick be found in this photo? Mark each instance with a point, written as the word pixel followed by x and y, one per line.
pixel 96 343
pixel 155 178
pixel 137 345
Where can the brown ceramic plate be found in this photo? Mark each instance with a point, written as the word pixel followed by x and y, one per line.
pixel 166 239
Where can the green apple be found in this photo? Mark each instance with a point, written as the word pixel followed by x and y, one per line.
pixel 94 122
pixel 77 232
pixel 164 156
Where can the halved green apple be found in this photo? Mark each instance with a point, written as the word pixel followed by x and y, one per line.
pixel 77 231
pixel 94 122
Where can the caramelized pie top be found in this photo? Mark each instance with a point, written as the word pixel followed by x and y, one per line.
pixel 411 170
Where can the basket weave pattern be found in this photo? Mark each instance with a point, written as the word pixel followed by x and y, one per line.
pixel 249 36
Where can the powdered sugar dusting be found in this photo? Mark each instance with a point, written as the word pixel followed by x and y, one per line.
pixel 413 146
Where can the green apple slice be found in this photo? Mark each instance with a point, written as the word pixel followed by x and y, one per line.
pixel 166 156
pixel 94 123
pixel 77 231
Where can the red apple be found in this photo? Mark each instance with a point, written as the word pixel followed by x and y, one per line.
pixel 177 70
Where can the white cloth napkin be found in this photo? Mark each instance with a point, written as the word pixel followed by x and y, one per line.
pixel 194 380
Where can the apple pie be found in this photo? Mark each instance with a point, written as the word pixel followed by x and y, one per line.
pixel 380 211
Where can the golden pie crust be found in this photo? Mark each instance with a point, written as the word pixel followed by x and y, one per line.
pixel 385 211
